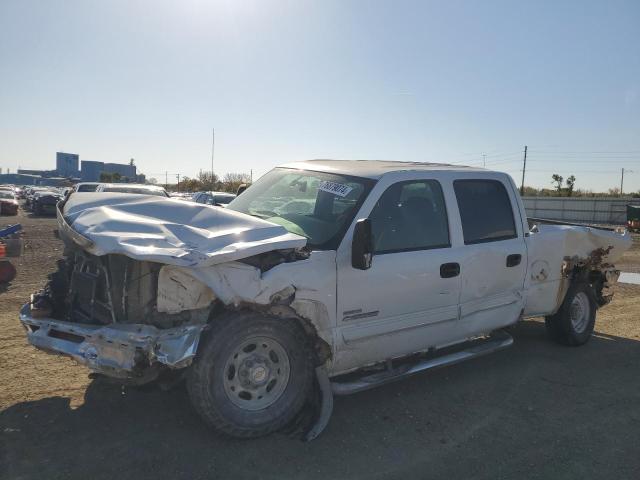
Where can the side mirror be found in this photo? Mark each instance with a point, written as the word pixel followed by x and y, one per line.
pixel 362 245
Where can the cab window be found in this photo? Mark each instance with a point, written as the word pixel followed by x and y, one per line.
pixel 485 211
pixel 410 216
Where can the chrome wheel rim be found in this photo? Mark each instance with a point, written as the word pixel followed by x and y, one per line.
pixel 256 374
pixel 579 312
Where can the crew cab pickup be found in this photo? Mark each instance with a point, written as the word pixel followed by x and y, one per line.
pixel 323 278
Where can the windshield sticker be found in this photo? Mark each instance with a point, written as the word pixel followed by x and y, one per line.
pixel 335 188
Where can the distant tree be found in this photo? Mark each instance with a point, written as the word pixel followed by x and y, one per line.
pixel 190 185
pixel 231 181
pixel 557 179
pixel 209 181
pixel 132 162
pixel 117 177
pixel 152 180
pixel 530 192
pixel 571 181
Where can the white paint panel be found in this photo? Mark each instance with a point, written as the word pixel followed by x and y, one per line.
pixel 368 329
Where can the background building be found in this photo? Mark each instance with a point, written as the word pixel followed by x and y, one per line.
pixel 124 169
pixel 40 173
pixel 67 164
pixel 67 169
pixel 19 179
pixel 90 170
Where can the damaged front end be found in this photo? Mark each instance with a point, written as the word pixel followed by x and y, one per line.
pixel 126 351
pixel 102 311
pixel 126 301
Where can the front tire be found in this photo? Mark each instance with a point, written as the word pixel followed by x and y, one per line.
pixel 573 323
pixel 252 375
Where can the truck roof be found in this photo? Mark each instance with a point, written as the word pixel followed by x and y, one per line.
pixel 374 168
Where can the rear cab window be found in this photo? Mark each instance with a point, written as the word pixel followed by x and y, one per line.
pixel 485 209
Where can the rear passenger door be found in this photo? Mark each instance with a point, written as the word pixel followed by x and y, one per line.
pixel 493 258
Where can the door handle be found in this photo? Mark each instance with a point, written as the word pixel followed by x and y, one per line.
pixel 449 270
pixel 514 259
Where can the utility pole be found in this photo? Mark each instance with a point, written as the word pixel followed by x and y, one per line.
pixel 178 185
pixel 524 169
pixel 484 161
pixel 213 144
pixel 621 181
pixel 166 180
pixel 251 176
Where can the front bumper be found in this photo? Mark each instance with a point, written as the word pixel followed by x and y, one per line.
pixel 116 350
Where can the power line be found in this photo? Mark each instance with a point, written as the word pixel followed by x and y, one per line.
pixel 597 152
pixel 550 171
pixel 585 161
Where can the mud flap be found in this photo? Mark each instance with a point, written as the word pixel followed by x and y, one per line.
pixel 325 408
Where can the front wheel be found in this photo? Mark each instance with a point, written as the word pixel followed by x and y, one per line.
pixel 573 323
pixel 252 375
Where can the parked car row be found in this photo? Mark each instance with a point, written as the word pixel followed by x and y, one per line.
pixel 43 200
pixel 8 201
pixel 219 199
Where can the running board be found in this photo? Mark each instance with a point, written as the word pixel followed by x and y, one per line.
pixel 497 341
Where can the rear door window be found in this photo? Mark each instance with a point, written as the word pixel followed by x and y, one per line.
pixel 485 211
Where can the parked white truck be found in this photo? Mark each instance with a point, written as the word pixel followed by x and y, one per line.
pixel 324 277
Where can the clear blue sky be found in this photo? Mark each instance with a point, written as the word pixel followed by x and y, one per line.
pixel 282 81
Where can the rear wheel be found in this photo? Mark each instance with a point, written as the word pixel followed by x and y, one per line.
pixel 252 375
pixel 573 323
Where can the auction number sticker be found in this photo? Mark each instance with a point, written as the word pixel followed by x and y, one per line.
pixel 335 188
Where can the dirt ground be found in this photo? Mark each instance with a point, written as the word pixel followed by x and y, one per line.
pixel 536 410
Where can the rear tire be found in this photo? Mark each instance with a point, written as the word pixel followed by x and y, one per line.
pixel 252 374
pixel 573 323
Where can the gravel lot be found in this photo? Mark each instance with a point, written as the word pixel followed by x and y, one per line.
pixel 536 410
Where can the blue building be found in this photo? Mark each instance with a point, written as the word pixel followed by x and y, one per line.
pixel 90 171
pixel 124 169
pixel 19 179
pixel 67 164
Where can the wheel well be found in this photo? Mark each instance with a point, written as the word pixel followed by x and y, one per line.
pixel 596 280
pixel 321 348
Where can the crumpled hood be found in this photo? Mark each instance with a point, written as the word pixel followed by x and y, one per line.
pixel 167 230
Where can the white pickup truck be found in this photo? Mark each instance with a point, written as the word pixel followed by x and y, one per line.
pixel 324 277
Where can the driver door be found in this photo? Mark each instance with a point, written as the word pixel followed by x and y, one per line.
pixel 408 300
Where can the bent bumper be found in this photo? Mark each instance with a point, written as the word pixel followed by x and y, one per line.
pixel 116 350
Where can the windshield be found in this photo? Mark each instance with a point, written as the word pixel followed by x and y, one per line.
pixel 88 187
pixel 140 191
pixel 224 199
pixel 318 206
